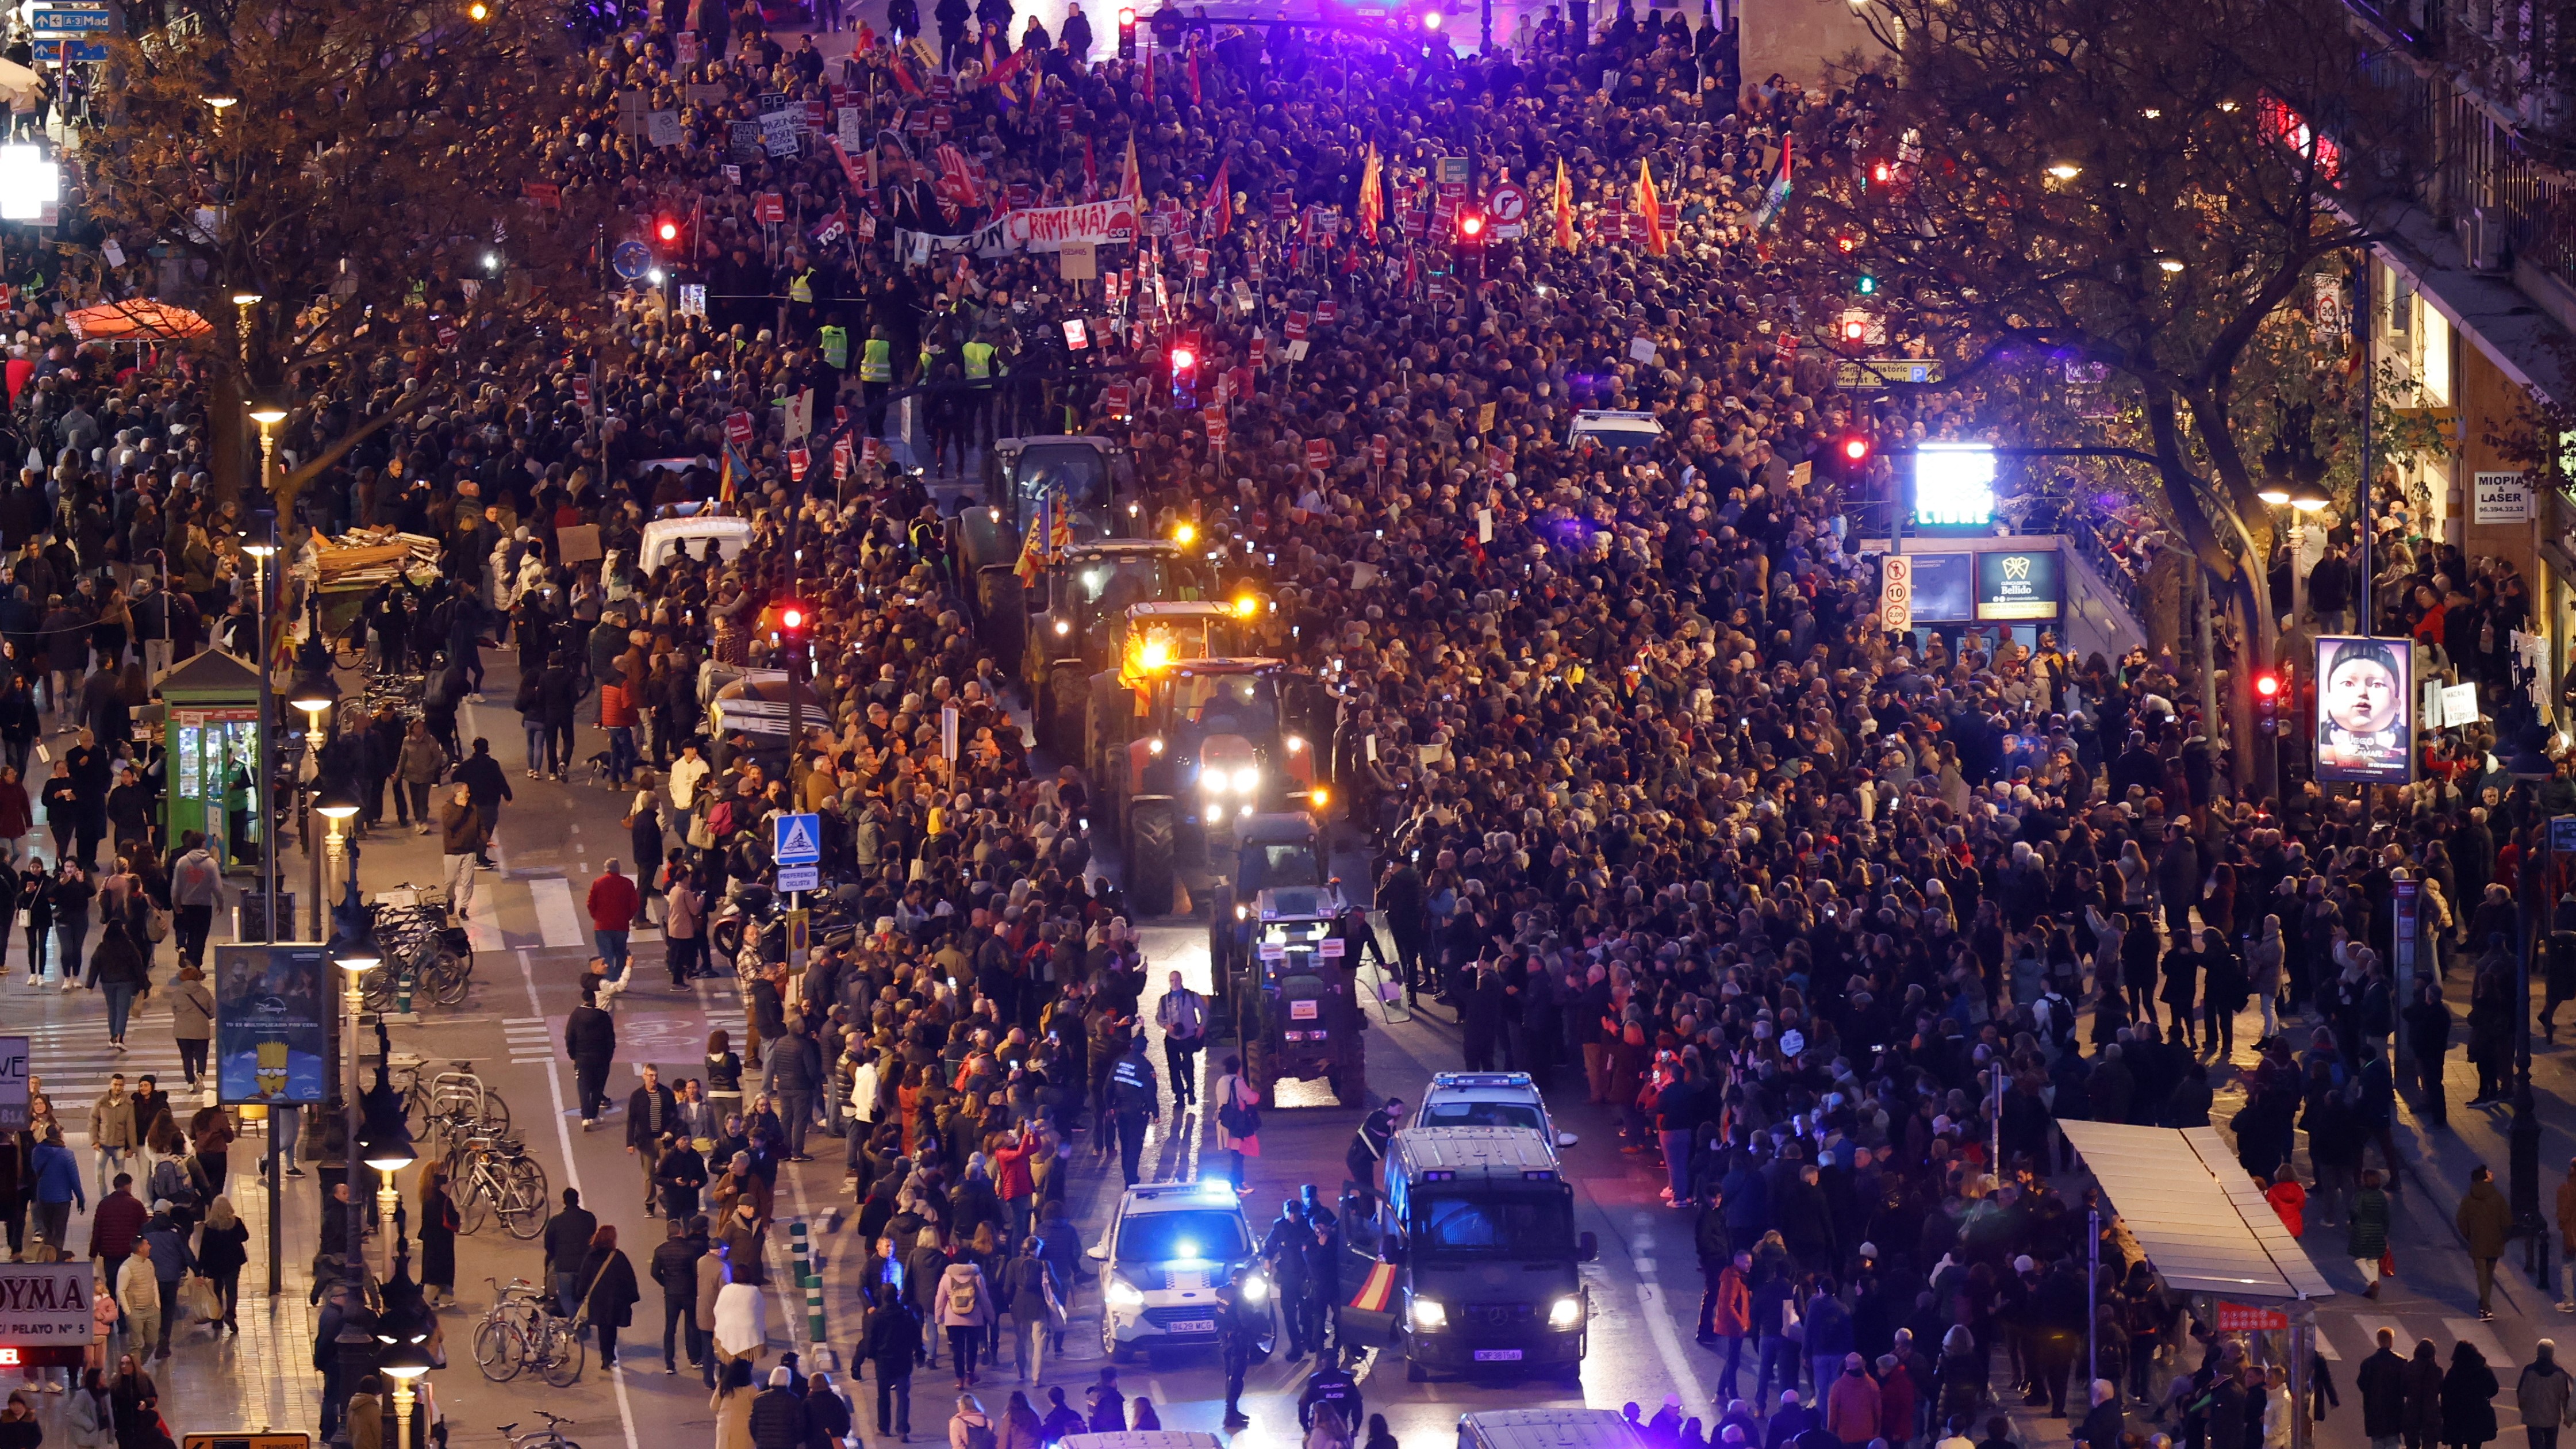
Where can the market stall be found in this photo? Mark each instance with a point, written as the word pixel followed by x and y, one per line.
pixel 2206 1231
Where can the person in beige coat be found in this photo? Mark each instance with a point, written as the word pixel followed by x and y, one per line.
pixel 111 1130
pixel 192 1021
pixel 966 1309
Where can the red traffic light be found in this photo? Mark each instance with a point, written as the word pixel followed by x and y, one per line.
pixel 1471 225
pixel 1881 172
pixel 1855 330
pixel 1183 359
pixel 791 618
pixel 668 230
pixel 1126 17
pixel 1855 449
pixel 2267 685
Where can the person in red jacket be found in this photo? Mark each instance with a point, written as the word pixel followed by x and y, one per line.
pixel 612 910
pixel 115 1227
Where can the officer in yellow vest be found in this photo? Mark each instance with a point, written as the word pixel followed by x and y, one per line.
pixel 978 355
pixel 836 347
pixel 876 376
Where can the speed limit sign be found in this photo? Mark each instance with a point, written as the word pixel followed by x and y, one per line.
pixel 1507 206
pixel 1896 594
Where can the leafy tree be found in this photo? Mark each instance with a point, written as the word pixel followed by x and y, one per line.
pixel 368 170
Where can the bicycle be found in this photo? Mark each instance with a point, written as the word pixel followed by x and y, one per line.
pixel 499 1177
pixel 550 1437
pixel 519 1333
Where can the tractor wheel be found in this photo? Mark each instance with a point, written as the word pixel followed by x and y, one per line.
pixel 1150 825
pixel 1065 704
pixel 1350 1077
pixel 1002 611
pixel 1256 1056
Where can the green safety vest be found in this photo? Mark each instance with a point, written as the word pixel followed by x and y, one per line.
pixel 801 287
pixel 836 347
pixel 876 361
pixel 979 360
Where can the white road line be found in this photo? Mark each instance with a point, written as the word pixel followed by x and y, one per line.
pixel 1668 1342
pixel 572 1179
pixel 2469 1330
pixel 558 924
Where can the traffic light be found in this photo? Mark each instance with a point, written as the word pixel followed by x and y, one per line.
pixel 1471 227
pixel 1855 330
pixel 795 624
pixel 1852 451
pixel 1185 377
pixel 2267 703
pixel 1126 33
pixel 1881 173
pixel 478 11
pixel 1865 284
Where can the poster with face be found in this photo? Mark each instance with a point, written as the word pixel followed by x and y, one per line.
pixel 2365 702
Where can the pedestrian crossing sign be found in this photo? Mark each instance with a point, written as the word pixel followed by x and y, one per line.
pixel 800 840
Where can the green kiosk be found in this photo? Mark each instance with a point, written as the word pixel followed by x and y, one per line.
pixel 211 727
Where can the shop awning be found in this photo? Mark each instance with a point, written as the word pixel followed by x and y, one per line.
pixel 2199 1218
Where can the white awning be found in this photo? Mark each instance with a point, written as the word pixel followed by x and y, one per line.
pixel 2200 1219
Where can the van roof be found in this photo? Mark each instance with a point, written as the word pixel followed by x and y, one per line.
pixel 1509 1150
pixel 1145 1439
pixel 1550 1429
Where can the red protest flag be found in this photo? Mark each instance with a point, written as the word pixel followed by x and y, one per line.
pixel 1650 212
pixel 1221 199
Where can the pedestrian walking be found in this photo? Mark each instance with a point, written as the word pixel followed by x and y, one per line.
pixel 612 904
pixel 196 893
pixel 440 1222
pixel 1028 1292
pixel 111 1130
pixel 192 1020
pixel 487 785
pixel 608 1291
pixel 893 1346
pixel 2542 1396
pixel 421 765
pixel 2365 1238
pixel 778 1414
pixel 966 1311
pixel 2381 1382
pixel 566 1239
pixel 675 1268
pixel 970 1427
pixel 223 1250
pixel 2485 1221
pixel 1135 1102
pixel 461 840
pixel 119 971
pixel 684 923
pixel 650 1111
pixel 590 1040
pixel 1182 1014
pixel 2468 1398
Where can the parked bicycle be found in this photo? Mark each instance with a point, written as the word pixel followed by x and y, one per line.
pixel 549 1437
pixel 498 1177
pixel 519 1333
pixel 419 946
pixel 441 1099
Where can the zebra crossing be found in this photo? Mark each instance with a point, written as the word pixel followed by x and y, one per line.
pixel 73 1061
pixel 531 1040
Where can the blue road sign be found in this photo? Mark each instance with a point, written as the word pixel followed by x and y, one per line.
pixel 800 840
pixel 47 20
pixel 632 259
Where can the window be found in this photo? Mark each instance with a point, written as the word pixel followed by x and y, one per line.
pixel 2433 370
pixel 1482 1114
pixel 1214 1237
pixel 1525 1226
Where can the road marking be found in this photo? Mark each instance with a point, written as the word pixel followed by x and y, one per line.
pixel 572 1179
pixel 1668 1342
pixel 558 924
pixel 2470 1330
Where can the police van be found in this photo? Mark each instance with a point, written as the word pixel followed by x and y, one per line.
pixel 1488 1099
pixel 1472 1259
pixel 1543 1429
pixel 1169 1248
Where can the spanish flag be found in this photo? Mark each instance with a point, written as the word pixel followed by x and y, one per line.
pixel 1132 184
pixel 1033 547
pixel 1372 208
pixel 730 474
pixel 1651 212
pixel 1564 209
pixel 1377 1291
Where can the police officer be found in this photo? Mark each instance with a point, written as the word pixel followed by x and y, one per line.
pixel 1238 1328
pixel 1285 1248
pixel 1136 1099
pixel 876 376
pixel 1330 1383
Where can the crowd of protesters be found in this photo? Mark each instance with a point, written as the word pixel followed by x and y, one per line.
pixel 1840 922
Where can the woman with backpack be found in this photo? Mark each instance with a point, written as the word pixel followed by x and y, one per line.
pixel 1238 1118
pixel 965 1302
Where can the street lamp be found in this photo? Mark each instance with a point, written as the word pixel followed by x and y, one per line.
pixel 261 545
pixel 402 1336
pixel 314 694
pixel 384 1143
pixel 355 958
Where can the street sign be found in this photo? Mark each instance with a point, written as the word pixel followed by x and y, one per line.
pixel 56 20
pixel 75 52
pixel 1453 170
pixel 13 1084
pixel 2562 833
pixel 631 259
pixel 800 840
pixel 800 932
pixel 2248 1318
pixel 45 1305
pixel 800 877
pixel 1507 206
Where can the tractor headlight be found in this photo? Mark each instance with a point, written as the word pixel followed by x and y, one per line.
pixel 1123 1294
pixel 1063 627
pixel 1296 743
pixel 1565 1312
pixel 1154 746
pixel 1429 1315
pixel 1212 781
pixel 1247 779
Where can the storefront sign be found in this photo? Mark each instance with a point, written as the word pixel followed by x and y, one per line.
pixel 2502 497
pixel 2017 585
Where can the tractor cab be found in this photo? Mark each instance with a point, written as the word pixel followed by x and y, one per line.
pixel 1218 741
pixel 1090 479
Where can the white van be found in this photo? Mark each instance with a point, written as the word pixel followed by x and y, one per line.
pixel 1546 1429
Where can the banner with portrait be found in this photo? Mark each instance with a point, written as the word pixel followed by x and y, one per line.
pixel 2365 710
pixel 273 1009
